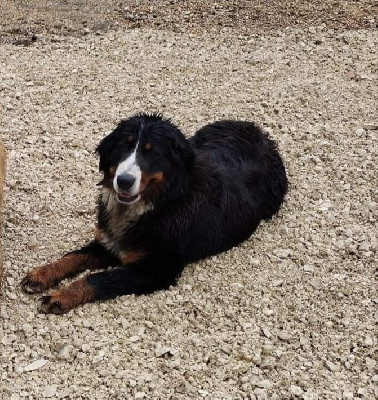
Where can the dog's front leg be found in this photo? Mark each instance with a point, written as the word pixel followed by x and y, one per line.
pixel 91 256
pixel 139 277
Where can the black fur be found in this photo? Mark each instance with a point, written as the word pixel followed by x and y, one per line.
pixel 218 186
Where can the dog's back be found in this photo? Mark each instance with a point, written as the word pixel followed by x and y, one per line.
pixel 248 163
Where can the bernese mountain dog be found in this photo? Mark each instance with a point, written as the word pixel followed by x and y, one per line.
pixel 167 201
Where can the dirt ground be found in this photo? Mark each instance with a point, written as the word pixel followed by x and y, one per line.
pixel 23 19
pixel 290 313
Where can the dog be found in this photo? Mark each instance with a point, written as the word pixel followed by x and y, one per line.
pixel 167 201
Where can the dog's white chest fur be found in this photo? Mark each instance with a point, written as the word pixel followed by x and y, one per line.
pixel 119 219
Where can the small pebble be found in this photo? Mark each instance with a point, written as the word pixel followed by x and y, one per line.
pixel 64 352
pixel 265 384
pixel 98 357
pixel 85 347
pixel 10 280
pixel 161 350
pixel 284 335
pixel 260 394
pixel 11 295
pixel 332 366
pixel 281 253
pixel 308 268
pixel 266 332
pixel 33 242
pixel 35 365
pixel 49 391
pixel 359 132
pixel 295 390
pixel 316 283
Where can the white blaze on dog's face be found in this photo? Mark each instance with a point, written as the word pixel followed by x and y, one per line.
pixel 127 179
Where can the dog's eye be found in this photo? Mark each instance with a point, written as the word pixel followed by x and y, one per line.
pixel 112 171
pixel 147 146
pixel 130 138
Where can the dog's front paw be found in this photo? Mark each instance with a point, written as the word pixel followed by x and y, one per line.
pixel 61 301
pixel 55 303
pixel 35 281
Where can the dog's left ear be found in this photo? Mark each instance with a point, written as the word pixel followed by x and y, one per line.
pixel 186 152
pixel 182 150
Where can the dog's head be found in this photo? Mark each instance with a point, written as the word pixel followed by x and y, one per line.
pixel 144 156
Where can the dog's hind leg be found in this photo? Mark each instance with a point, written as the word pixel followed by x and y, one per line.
pixel 141 277
pixel 91 256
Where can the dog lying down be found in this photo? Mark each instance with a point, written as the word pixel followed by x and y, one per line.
pixel 167 201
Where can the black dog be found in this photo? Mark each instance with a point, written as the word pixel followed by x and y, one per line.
pixel 167 201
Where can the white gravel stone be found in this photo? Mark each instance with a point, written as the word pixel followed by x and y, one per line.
pixel 266 332
pixel 260 394
pixel 332 366
pixel 281 253
pixel 359 132
pixel 308 268
pixel 309 395
pixel 10 281
pixel 265 384
pixel 161 350
pixel 316 283
pixel 33 242
pixel 362 392
pixel 64 352
pixel 98 357
pixel 37 364
pixel 49 391
pixel 85 347
pixel 284 335
pixel 296 390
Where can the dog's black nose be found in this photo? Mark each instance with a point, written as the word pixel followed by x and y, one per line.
pixel 125 181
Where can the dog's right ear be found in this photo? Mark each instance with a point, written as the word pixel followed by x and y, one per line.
pixel 104 150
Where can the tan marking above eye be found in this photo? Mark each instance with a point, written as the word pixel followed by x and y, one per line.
pixel 112 171
pixel 130 138
pixel 147 146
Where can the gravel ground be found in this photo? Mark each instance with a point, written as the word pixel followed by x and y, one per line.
pixel 23 19
pixel 288 314
pixel 2 179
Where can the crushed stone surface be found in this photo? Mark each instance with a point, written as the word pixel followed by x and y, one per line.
pixel 287 314
pixel 24 20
